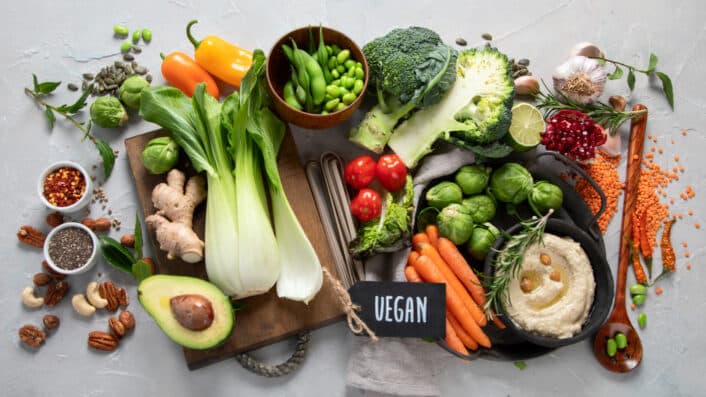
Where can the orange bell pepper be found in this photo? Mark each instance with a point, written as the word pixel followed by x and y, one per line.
pixel 182 72
pixel 222 59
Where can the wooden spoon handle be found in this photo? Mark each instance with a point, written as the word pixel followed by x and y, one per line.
pixel 634 165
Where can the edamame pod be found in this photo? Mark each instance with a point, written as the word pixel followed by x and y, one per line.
pixel 317 82
pixel 300 94
pixel 289 96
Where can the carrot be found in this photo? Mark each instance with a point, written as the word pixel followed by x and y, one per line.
pixel 450 253
pixel 462 334
pixel 429 272
pixel 413 255
pixel 497 321
pixel 411 274
pixel 433 234
pixel 433 254
pixel 420 238
pixel 453 340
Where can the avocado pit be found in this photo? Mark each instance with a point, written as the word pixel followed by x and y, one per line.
pixel 193 311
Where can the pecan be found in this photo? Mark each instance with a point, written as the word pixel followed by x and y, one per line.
pixel 41 279
pixel 55 219
pixel 32 336
pixel 89 223
pixel 108 292
pixel 128 240
pixel 54 273
pixel 127 319
pixel 55 293
pixel 102 224
pixel 31 236
pixel 100 340
pixel 116 327
pixel 123 299
pixel 50 322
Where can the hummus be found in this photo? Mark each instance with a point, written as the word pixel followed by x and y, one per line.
pixel 553 291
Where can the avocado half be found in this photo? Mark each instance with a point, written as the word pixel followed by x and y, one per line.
pixel 154 294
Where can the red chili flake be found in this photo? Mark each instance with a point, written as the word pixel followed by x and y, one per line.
pixel 64 186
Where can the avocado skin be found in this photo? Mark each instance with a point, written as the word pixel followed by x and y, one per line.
pixel 154 294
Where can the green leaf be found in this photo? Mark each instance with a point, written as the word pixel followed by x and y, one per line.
pixel 237 305
pixel 106 153
pixel 116 255
pixel 47 87
pixel 667 88
pixel 601 61
pixel 138 237
pixel 35 82
pixel 617 73
pixel 80 102
pixel 141 270
pixel 653 63
pixel 631 80
pixel 50 117
pixel 521 365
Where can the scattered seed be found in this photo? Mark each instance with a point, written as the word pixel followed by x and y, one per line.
pixel 148 78
pixel 683 132
pixel 687 254
pixel 136 49
pixel 688 265
pixel 461 41
pixel 690 212
pixel 632 306
pixel 87 76
pixel 660 151
pixel 125 47
pixel 659 291
pixel 524 62
pixel 487 36
pixel 128 57
pixel 72 87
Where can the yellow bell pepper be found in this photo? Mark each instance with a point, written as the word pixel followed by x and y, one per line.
pixel 226 61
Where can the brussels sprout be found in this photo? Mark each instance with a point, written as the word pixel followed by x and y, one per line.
pixel 426 217
pixel 473 178
pixel 160 155
pixel 511 183
pixel 545 196
pixel 482 240
pixel 481 207
pixel 455 223
pixel 108 112
pixel 443 194
pixel 130 91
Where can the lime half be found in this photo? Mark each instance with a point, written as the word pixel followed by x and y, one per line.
pixel 526 127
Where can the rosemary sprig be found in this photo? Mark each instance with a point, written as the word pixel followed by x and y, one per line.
pixel 68 112
pixel 602 113
pixel 508 261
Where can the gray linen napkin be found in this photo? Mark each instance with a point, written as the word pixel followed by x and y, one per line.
pixel 402 366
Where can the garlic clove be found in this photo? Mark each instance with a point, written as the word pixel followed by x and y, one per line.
pixel 587 49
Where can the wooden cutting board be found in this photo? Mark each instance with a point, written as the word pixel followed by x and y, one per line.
pixel 264 319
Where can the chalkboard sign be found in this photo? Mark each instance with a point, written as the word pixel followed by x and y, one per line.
pixel 415 310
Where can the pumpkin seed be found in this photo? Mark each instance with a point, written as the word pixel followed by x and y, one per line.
pixel 84 85
pixel 487 36
pixel 461 41
pixel 136 49
pixel 524 62
pixel 72 87
pixel 128 57
pixel 148 78
pixel 88 76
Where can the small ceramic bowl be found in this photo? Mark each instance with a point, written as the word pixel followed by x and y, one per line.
pixel 279 72
pixel 78 205
pixel 81 269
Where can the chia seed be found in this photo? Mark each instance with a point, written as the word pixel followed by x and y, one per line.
pixel 70 248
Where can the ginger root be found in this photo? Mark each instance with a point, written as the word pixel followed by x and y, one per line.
pixel 173 220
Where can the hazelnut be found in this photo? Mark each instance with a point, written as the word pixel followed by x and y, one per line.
pixel 545 259
pixel 128 240
pixel 89 223
pixel 127 319
pixel 526 285
pixel 55 219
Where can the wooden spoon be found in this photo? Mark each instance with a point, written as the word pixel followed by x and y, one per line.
pixel 627 359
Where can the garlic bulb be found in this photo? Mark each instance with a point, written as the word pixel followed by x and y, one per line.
pixel 588 50
pixel 580 79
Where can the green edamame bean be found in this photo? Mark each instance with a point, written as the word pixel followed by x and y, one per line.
pixel 324 112
pixel 146 35
pixel 349 64
pixel 136 36
pixel 642 320
pixel 126 46
pixel 611 347
pixel 300 93
pixel 348 83
pixel 638 289
pixel 332 63
pixel 290 96
pixel 333 90
pixel 336 49
pixel 121 30
pixel 343 55
pixel 336 82
pixel 340 106
pixel 330 105
pixel 359 65
pixel 358 86
pixel 343 90
pixel 335 74
pixel 351 72
pixel 329 50
pixel 348 98
pixel 341 69
pixel 359 74
pixel 621 341
pixel 638 299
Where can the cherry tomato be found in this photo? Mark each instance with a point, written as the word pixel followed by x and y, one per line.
pixel 391 172
pixel 367 205
pixel 359 172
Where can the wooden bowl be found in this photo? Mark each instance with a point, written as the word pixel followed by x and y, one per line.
pixel 279 72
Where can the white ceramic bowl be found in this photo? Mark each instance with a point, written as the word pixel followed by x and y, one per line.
pixel 91 260
pixel 77 206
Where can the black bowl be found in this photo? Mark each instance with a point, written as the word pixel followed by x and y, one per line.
pixel 603 296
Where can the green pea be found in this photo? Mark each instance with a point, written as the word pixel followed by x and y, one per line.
pixel 335 74
pixel 121 30
pixel 348 83
pixel 290 96
pixel 340 106
pixel 358 86
pixel 638 289
pixel 146 35
pixel 333 90
pixel 348 98
pixel 642 320
pixel 638 299
pixel 332 63
pixel 359 73
pixel 330 105
pixel 343 55
pixel 329 50
pixel 126 46
pixel 136 36
pixel 349 64
pixel 341 69
pixel 621 341
pixel 611 347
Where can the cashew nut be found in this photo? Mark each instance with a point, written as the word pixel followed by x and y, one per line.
pixel 94 296
pixel 29 299
pixel 82 306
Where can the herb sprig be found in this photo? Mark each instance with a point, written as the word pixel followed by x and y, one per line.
pixel 40 90
pixel 667 87
pixel 121 258
pixel 508 261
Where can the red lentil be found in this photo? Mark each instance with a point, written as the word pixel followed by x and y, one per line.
pixel 688 265
pixel 64 186
pixel 659 291
pixel 603 170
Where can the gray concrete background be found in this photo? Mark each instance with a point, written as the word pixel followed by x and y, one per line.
pixel 61 40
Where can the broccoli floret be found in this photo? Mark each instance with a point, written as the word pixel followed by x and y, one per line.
pixel 474 113
pixel 409 68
